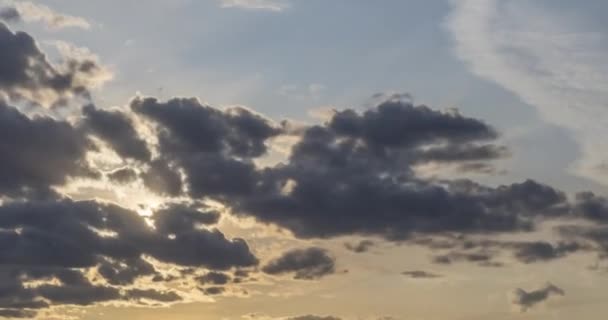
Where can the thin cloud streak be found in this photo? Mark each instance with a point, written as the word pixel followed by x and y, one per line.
pixel 266 5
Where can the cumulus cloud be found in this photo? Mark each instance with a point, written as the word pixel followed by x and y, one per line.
pixel 117 130
pixel 213 147
pixel 525 300
pixel 353 175
pixel 26 73
pixel 267 5
pixel 43 153
pixel 307 264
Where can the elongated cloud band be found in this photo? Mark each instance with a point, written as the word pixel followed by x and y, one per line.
pixel 539 57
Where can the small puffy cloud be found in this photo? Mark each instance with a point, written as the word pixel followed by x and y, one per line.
pixel 359 247
pixel 307 264
pixel 525 300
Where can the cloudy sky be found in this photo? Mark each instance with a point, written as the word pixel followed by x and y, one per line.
pixel 303 159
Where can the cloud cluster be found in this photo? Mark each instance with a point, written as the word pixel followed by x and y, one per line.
pixel 213 147
pixel 353 175
pixel 64 239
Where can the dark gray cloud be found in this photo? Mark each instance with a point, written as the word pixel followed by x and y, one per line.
pixel 9 14
pixel 420 274
pixel 126 271
pixel 354 175
pixel 310 263
pixel 528 299
pixel 117 130
pixel 40 152
pixel 123 175
pixel 216 278
pixel 212 291
pixel 26 73
pixel 484 259
pixel 529 252
pixel 351 175
pixel 81 295
pixel 212 146
pixel 397 124
pixel 189 126
pixel 176 218
pixel 591 206
pixel 163 178
pixel 17 313
pixel 359 247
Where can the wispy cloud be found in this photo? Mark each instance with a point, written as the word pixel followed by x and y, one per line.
pixel 545 59
pixel 525 300
pixel 268 5
pixel 32 12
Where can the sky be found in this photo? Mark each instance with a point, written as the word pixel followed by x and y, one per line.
pixel 303 159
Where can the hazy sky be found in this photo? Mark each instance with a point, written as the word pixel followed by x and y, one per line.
pixel 303 159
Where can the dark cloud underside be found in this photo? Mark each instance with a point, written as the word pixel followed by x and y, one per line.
pixel 307 264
